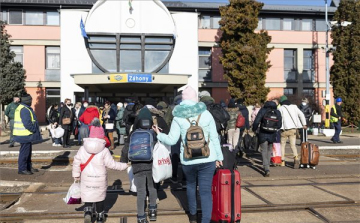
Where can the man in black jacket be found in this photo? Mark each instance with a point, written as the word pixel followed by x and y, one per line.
pixel 335 118
pixel 266 138
pixel 245 112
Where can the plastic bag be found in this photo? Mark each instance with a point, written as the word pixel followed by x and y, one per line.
pixel 276 153
pixel 162 168
pixel 57 133
pixel 74 194
pixel 131 179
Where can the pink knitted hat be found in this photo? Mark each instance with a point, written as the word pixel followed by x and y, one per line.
pixel 97 132
pixel 189 94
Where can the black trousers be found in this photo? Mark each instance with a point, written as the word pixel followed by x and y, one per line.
pixel 66 137
pixel 99 206
pixel 24 160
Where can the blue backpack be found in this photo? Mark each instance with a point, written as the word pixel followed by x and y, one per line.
pixel 141 145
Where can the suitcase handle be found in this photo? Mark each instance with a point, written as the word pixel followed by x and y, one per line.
pixel 304 135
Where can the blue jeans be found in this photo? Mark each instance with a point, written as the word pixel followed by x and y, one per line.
pixel 337 126
pixel 204 174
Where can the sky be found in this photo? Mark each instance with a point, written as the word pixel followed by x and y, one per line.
pixel 273 2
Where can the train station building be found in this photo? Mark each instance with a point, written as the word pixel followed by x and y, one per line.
pixel 112 50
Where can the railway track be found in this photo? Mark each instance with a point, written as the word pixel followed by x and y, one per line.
pixel 7 200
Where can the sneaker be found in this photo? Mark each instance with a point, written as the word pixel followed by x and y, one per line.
pixel 296 162
pixel 173 180
pixel 267 173
pixel 54 144
pixel 282 163
pixel 11 145
pixel 142 219
pixel 88 212
pixel 192 218
pixel 101 217
pixel 339 142
pixel 152 214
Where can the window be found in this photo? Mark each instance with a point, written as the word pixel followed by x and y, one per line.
pixel 205 64
pixel 52 57
pixel 306 25
pixel 4 16
pixel 289 91
pixel 309 92
pixel 124 53
pixel 209 22
pixel 52 18
pixel 272 23
pixel 52 97
pixel 288 24
pixel 15 17
pixel 34 18
pixel 308 73
pixel 290 66
pixel 260 26
pixel 18 50
pixel 320 25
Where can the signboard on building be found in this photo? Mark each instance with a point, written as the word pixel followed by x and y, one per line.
pixel 131 78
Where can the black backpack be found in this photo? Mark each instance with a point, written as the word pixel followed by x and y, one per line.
pixel 220 115
pixel 269 122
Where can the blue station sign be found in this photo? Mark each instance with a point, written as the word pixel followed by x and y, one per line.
pixel 140 78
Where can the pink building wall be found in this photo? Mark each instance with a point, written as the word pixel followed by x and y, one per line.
pixel 276 71
pixel 34 32
pixel 34 63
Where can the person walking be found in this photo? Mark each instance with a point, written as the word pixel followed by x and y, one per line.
pixel 335 118
pixel 199 170
pixel 245 113
pixel 86 118
pixel 10 112
pixel 66 119
pixel 120 124
pixel 26 131
pixel 266 139
pixel 292 119
pixel 94 176
pixel 232 131
pixel 306 109
pixel 108 117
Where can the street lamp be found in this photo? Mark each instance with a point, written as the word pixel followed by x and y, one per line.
pixel 327 73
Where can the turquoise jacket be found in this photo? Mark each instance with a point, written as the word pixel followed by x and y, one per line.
pixel 179 126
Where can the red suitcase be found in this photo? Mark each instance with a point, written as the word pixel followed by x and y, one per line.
pixel 226 194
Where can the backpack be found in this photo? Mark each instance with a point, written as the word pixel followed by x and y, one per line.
pixel 240 121
pixel 220 115
pixel 195 145
pixel 269 122
pixel 142 143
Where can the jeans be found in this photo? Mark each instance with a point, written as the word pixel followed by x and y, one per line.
pixel 57 141
pixel 266 148
pixel 11 132
pixel 99 206
pixel 24 160
pixel 337 126
pixel 203 173
pixel 291 134
pixel 140 180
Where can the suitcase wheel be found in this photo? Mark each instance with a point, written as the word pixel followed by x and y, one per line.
pixel 308 166
pixel 313 167
pixel 301 166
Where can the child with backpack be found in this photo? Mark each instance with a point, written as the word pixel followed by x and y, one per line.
pixel 142 135
pixel 90 165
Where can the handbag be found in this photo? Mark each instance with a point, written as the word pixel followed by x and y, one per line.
pixel 109 126
pixel 82 166
pixel 66 121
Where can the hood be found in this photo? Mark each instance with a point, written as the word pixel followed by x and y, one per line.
pixel 242 107
pixel 94 145
pixel 270 104
pixel 207 100
pixel 91 108
pixel 231 109
pixel 155 111
pixel 188 109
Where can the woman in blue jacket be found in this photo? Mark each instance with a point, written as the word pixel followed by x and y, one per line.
pixel 201 169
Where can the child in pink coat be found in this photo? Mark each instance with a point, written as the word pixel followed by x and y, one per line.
pixel 94 175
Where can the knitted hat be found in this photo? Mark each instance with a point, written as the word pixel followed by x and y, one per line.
pixel 161 105
pixel 204 93
pixel 189 94
pixel 97 132
pixel 207 100
pixel 120 105
pixel 26 99
pixel 283 98
pixel 231 104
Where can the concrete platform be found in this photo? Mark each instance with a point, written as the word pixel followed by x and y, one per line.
pixel 341 214
pixel 349 191
pixel 280 217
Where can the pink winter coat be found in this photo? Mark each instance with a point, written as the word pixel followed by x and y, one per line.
pixel 254 114
pixel 94 176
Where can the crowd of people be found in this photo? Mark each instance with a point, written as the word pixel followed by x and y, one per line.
pixel 93 127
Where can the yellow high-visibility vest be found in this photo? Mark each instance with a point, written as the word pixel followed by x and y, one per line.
pixel 19 128
pixel 332 118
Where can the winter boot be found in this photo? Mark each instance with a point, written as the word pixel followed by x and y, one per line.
pixel 88 213
pixel 101 217
pixel 296 162
pixel 142 219
pixel 111 138
pixel 192 218
pixel 152 213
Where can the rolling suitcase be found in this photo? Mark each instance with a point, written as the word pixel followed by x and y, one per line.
pixel 226 194
pixel 309 153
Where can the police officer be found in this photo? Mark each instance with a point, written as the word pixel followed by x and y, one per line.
pixel 335 118
pixel 26 131
pixel 9 112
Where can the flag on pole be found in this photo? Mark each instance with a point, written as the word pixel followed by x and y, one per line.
pixel 82 27
pixel 130 5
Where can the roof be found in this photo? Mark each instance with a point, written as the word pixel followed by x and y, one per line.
pixel 178 4
pixel 335 3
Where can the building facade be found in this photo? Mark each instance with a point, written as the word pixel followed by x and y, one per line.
pixel 172 43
